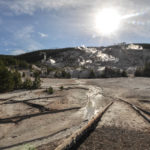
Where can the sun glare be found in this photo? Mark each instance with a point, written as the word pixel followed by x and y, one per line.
pixel 107 21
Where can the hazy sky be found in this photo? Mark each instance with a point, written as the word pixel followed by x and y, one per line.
pixel 27 25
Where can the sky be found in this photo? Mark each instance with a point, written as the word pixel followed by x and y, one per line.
pixel 27 25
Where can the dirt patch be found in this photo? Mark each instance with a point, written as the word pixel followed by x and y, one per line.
pixel 113 138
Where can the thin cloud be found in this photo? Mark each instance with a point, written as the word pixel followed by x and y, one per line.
pixel 43 35
pixel 25 36
pixel 70 19
pixel 25 32
pixel 17 52
pixel 30 6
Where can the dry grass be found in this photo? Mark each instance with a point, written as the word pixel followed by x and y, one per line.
pixel 49 146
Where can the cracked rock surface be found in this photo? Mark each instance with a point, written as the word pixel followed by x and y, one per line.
pixel 34 118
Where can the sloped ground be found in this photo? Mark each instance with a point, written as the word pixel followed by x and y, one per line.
pixel 45 121
pixel 120 128
pixel 113 138
pixel 36 118
pixel 126 124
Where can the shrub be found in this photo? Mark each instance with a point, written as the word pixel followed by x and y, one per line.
pixel 124 74
pixel 28 147
pixel 65 74
pixel 32 148
pixel 111 73
pixel 50 69
pixel 57 74
pixel 61 88
pixel 62 74
pixel 36 74
pixel 68 75
pixel 23 74
pixel 28 84
pixel 50 90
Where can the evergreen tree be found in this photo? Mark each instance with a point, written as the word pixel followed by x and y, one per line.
pixel 36 83
pixel 17 80
pixel 143 71
pixel 146 70
pixel 124 74
pixel 92 74
pixel 27 84
pixel 6 80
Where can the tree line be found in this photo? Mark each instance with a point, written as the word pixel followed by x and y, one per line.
pixel 11 80
pixel 143 71
pixel 13 62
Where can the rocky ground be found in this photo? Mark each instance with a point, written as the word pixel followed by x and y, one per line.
pixel 126 124
pixel 34 118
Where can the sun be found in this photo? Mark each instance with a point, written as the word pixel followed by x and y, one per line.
pixel 107 21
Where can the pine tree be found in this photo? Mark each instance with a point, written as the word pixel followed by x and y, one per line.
pixel 27 84
pixel 92 74
pixel 17 80
pixel 36 83
pixel 6 80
